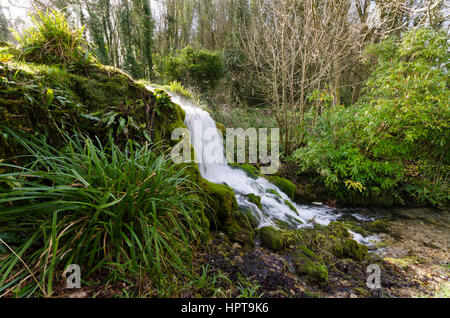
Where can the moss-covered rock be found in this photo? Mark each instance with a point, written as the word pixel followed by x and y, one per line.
pixel 326 241
pixel 100 101
pixel 274 192
pixel 251 171
pixel 246 219
pixel 283 224
pixel 256 199
pixel 222 201
pixel 272 238
pixel 352 249
pixel 355 227
pixel 378 226
pixel 308 263
pixel 284 185
pixel 238 234
pixel 291 206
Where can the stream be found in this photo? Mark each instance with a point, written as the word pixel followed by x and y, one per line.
pixel 276 205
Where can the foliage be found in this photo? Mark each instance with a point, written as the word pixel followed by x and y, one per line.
pixel 52 40
pixel 395 140
pixel 177 88
pixel 130 211
pixel 199 68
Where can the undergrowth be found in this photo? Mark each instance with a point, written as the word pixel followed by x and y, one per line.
pixel 129 211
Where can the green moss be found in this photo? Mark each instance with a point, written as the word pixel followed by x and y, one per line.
pixel 240 235
pixel 273 191
pixel 326 241
pixel 256 199
pixel 294 220
pixel 306 262
pixel 221 128
pixel 352 249
pixel 222 201
pixel 283 224
pixel 355 227
pixel 289 204
pixel 245 218
pixel 272 238
pixel 251 171
pixel 284 185
pixel 378 226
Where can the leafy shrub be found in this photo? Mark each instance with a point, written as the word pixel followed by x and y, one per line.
pixel 199 68
pixel 51 40
pixel 395 141
pixel 130 211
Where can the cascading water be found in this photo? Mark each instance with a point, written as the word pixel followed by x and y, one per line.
pixel 213 166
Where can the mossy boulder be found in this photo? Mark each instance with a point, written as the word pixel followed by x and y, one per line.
pixel 101 101
pixel 354 250
pixel 272 238
pixel 355 227
pixel 284 185
pixel 333 240
pixel 222 201
pixel 283 224
pixel 245 218
pixel 378 226
pixel 238 234
pixel 306 262
pixel 256 199
pixel 251 171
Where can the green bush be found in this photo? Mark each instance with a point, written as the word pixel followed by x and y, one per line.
pixel 196 68
pixel 131 212
pixel 394 142
pixel 52 41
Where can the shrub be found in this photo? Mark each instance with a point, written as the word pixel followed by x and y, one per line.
pixel 395 140
pixel 128 211
pixel 52 41
pixel 199 68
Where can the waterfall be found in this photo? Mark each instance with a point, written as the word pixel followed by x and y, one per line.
pixel 276 205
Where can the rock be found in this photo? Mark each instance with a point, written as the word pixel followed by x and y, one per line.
pixel 378 226
pixel 271 238
pixel 256 199
pixel 352 249
pixel 236 246
pixel 308 263
pixel 78 294
pixel 284 185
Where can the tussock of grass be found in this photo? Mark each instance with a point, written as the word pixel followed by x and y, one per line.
pixel 128 211
pixel 52 40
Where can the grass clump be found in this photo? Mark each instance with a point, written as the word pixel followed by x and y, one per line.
pixel 130 212
pixel 52 40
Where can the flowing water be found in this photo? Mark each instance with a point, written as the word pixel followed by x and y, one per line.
pixel 276 205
